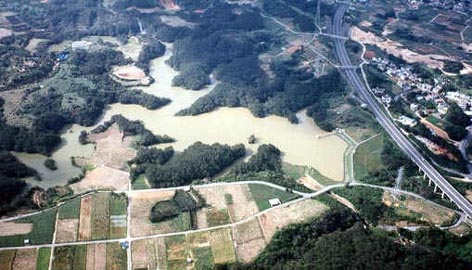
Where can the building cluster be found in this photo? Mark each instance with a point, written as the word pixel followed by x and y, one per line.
pixel 430 96
pixel 462 6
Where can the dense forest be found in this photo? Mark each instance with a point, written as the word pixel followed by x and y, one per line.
pixel 12 187
pixel 198 161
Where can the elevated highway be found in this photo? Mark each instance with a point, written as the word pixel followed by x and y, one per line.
pixel 386 122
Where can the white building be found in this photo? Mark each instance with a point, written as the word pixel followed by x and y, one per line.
pixel 407 121
pixel 274 202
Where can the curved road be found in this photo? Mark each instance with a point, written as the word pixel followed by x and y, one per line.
pixel 386 122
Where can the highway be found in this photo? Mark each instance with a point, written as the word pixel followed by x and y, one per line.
pixel 387 123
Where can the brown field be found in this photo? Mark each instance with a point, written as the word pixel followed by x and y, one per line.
pixel 111 149
pixel 103 178
pixel 90 260
pixel 202 218
pixel 248 251
pixel 25 259
pixel 278 218
pixel 243 205
pixel 12 228
pixel 101 216
pixel 222 246
pixel 100 258
pixel 6 259
pixel 249 240
pixel 149 254
pixel 411 206
pixel 310 183
pixel 116 257
pixel 67 230
pixel 463 229
pixel 141 204
pixel 118 226
pixel 85 222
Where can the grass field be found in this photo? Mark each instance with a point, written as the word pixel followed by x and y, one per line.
pixel 368 158
pixel 70 258
pixel 100 216
pixel 261 195
pixel 42 262
pixel 182 222
pixel 118 204
pixel 222 246
pixel 203 258
pixel 71 209
pixel 140 183
pixel 294 171
pixel 42 232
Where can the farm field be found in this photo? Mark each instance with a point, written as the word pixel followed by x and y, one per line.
pixel 95 256
pixel 200 251
pixel 37 229
pixel 262 194
pixel 25 259
pixel 102 216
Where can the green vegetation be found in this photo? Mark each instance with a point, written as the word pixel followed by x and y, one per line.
pixel 368 157
pixel 42 262
pixel 117 258
pixel 50 164
pixel 204 258
pixel 140 183
pixel 453 67
pixel 133 128
pixel 262 194
pixel 118 204
pixel 100 217
pixel 293 171
pixel 70 257
pixel 196 162
pixel 338 240
pixel 11 172
pixel 181 202
pixel 42 232
pixel 70 209
pixel 265 165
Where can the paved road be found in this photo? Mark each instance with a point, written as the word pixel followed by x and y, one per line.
pixel 387 123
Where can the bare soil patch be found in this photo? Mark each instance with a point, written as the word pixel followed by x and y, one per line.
pixel 112 150
pixel 310 183
pixel 67 230
pixel 398 50
pixel 85 222
pixel 139 252
pixel 100 259
pixel 90 260
pixel 248 251
pixel 278 218
pixel 103 178
pixel 25 259
pixel 12 228
pixel 175 21
pixel 5 33
pixel 141 204
pixel 243 205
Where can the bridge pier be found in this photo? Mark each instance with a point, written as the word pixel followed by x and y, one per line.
pixel 435 188
pixel 442 195
pixel 429 182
